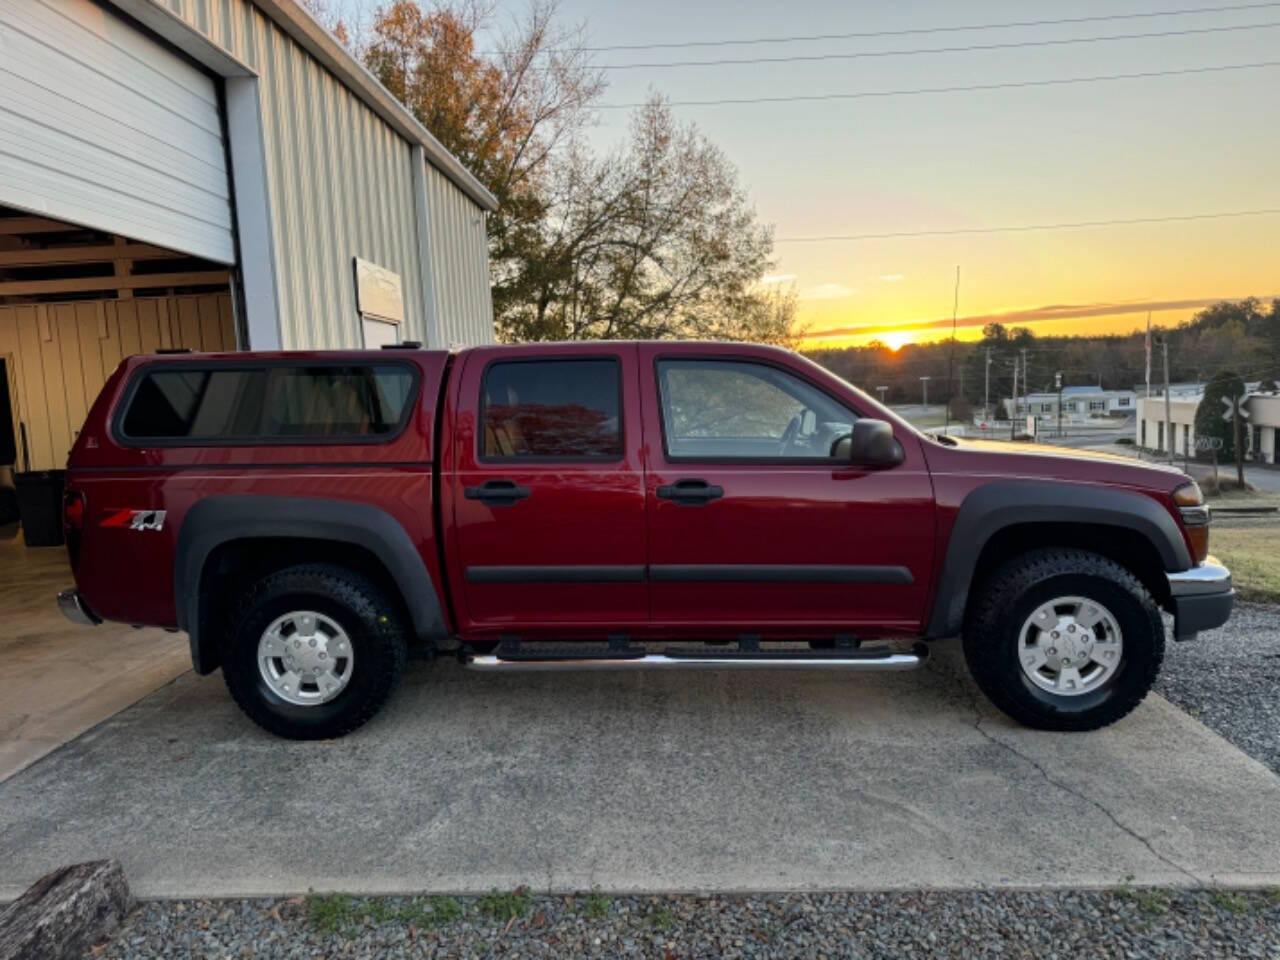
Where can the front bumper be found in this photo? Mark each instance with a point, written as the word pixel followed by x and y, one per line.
pixel 1201 598
pixel 75 609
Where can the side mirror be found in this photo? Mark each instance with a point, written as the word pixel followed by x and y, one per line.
pixel 871 444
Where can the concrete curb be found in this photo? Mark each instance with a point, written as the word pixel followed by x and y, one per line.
pixel 64 913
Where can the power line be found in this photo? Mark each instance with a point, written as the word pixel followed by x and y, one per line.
pixel 970 88
pixel 917 31
pixel 1027 227
pixel 972 48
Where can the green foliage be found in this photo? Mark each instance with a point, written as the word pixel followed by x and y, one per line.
pixel 596 905
pixel 379 910
pixel 1209 422
pixel 503 906
pixel 662 918
pixel 330 913
pixel 1231 902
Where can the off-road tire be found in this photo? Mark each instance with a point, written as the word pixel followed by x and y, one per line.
pixel 373 623
pixel 1004 602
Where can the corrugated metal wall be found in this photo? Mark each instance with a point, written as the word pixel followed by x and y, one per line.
pixel 460 264
pixel 341 186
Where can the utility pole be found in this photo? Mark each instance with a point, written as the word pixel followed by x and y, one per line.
pixel 1013 412
pixel 986 387
pixel 925 383
pixel 1237 435
pixel 1057 382
pixel 951 360
pixel 1168 414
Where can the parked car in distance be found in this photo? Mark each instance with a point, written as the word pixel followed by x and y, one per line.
pixel 307 518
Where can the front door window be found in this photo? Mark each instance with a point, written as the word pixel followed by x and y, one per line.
pixel 721 410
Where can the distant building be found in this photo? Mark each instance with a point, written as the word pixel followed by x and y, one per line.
pixel 1261 424
pixel 1077 402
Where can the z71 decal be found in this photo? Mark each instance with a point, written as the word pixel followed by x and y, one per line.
pixel 136 519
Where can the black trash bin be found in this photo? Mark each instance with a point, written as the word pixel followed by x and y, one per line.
pixel 40 506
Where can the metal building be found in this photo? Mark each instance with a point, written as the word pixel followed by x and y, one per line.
pixel 212 174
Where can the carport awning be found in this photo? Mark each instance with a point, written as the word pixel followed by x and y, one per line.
pixel 103 127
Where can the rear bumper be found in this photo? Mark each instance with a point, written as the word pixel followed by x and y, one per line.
pixel 1201 598
pixel 75 609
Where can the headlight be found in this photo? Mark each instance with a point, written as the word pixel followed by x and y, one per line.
pixel 1195 518
pixel 1189 495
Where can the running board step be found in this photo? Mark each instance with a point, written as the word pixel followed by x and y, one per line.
pixel 597 658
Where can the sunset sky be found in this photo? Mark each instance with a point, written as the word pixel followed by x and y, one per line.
pixel 1158 147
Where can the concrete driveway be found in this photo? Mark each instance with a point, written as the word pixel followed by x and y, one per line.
pixel 59 679
pixel 658 782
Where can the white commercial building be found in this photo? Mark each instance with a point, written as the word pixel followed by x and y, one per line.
pixel 1077 402
pixel 1154 424
pixel 212 175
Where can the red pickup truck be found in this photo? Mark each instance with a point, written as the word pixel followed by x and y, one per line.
pixel 307 518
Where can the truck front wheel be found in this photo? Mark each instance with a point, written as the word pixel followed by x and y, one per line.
pixel 1064 639
pixel 313 651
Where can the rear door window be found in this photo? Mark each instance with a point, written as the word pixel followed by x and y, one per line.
pixel 269 403
pixel 551 410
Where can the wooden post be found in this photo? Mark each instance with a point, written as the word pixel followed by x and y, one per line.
pixel 123 268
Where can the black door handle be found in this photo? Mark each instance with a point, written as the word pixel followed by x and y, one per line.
pixel 497 492
pixel 690 492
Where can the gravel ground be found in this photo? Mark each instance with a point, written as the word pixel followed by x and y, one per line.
pixel 1228 678
pixel 1102 923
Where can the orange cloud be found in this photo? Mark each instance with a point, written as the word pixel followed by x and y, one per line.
pixel 1027 315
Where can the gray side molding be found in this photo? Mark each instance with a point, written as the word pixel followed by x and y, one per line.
pixel 218 520
pixel 996 506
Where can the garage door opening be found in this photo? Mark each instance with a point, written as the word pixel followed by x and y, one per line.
pixel 74 303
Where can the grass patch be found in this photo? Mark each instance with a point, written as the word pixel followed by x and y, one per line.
pixel 380 911
pixel 1271 897
pixel 506 906
pixel 1154 902
pixel 595 905
pixel 662 918
pixel 1253 556
pixel 1230 902
pixel 330 913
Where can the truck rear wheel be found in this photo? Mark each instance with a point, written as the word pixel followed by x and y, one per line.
pixel 313 651
pixel 1064 639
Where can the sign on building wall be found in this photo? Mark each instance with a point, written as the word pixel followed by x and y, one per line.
pixel 379 292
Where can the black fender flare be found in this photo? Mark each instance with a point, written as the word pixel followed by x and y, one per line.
pixel 215 521
pixel 997 506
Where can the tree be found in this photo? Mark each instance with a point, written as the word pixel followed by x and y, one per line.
pixel 1209 422
pixel 656 239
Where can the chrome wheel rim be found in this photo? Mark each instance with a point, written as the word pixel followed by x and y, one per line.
pixel 1070 646
pixel 305 658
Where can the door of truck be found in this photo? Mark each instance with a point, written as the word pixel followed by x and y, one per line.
pixel 753 527
pixel 548 491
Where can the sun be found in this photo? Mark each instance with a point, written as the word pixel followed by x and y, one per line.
pixel 895 341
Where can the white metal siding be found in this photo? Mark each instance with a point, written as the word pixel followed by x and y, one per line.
pixel 459 263
pixel 102 126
